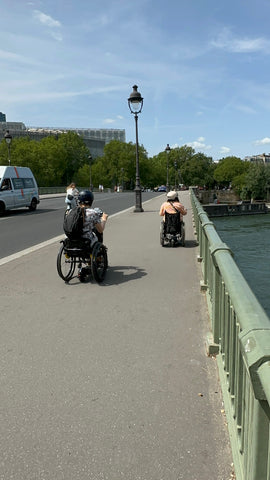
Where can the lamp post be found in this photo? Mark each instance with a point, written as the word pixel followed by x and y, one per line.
pixel 167 150
pixel 90 171
pixel 8 139
pixel 175 175
pixel 135 103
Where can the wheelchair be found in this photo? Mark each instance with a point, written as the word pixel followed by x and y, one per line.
pixel 89 260
pixel 172 230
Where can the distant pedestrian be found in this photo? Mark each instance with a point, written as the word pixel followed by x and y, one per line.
pixel 72 195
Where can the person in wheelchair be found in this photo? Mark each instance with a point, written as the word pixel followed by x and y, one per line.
pixel 94 219
pixel 172 212
pixel 172 205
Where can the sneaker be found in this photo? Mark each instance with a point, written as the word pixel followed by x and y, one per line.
pixel 82 275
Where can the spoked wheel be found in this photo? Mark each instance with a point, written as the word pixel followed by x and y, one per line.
pixel 162 234
pixel 99 262
pixel 65 265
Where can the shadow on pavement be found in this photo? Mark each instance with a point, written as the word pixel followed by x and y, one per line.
pixel 118 274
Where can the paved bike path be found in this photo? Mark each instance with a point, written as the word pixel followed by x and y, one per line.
pixel 110 381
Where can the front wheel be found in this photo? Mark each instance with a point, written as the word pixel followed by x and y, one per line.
pixel 65 265
pixel 2 209
pixel 99 262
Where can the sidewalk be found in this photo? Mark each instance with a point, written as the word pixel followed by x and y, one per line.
pixel 111 381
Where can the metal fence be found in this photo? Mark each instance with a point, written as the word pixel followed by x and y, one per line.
pixel 241 337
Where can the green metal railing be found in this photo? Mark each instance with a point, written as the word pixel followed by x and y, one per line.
pixel 241 334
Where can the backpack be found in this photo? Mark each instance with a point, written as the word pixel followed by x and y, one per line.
pixel 73 223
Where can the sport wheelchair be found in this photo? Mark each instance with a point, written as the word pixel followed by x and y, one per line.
pixel 172 230
pixel 89 260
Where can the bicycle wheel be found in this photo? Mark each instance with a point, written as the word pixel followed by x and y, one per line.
pixel 99 262
pixel 65 265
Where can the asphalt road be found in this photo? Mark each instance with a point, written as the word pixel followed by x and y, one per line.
pixel 21 229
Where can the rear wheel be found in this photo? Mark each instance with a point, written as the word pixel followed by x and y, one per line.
pixel 65 265
pixel 99 262
pixel 183 237
pixel 162 234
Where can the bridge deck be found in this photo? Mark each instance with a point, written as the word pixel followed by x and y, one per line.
pixel 112 381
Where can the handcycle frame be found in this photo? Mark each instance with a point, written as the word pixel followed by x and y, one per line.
pixel 90 260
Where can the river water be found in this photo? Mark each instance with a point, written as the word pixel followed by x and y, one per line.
pixel 248 236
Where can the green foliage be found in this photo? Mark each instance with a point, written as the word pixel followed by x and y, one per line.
pixel 118 165
pixel 228 168
pixel 238 183
pixel 257 182
pixel 54 160
pixel 198 170
pixel 57 160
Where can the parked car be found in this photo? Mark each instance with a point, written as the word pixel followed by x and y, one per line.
pixel 162 188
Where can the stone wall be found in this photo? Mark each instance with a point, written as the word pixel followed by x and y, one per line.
pixel 223 196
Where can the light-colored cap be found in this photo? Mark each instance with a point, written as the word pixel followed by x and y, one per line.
pixel 172 195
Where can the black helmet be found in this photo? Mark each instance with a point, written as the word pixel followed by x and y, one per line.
pixel 86 197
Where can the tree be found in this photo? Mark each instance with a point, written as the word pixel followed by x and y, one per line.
pixel 257 182
pixel 118 165
pixel 228 168
pixel 198 170
pixel 176 160
pixel 75 156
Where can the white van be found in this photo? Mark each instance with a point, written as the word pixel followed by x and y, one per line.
pixel 18 188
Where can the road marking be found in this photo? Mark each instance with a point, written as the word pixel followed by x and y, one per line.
pixel 34 248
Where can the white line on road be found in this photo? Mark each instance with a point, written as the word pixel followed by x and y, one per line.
pixel 20 254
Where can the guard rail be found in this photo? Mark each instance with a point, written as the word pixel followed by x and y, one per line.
pixel 241 341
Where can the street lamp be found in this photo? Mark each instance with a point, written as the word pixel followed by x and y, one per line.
pixel 167 150
pixel 90 174
pixel 135 103
pixel 8 139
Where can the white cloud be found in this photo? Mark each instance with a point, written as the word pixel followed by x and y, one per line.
pixel 46 19
pixel 109 120
pixel 224 150
pixel 263 141
pixel 199 144
pixel 226 41
pixel 49 22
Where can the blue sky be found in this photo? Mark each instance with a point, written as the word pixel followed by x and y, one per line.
pixel 202 67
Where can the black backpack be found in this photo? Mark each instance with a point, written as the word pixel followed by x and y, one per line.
pixel 73 223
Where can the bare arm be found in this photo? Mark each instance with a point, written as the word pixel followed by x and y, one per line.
pixel 100 226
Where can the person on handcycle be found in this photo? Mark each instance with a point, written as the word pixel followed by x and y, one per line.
pixel 172 205
pixel 94 219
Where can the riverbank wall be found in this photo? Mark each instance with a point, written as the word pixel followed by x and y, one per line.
pixel 224 210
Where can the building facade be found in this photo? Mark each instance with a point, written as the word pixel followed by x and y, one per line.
pixel 95 139
pixel 262 158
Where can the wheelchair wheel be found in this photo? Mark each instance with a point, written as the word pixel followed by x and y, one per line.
pixel 65 265
pixel 99 262
pixel 183 237
pixel 162 234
